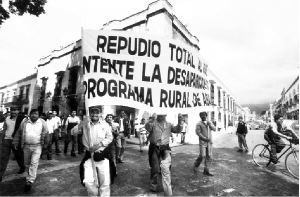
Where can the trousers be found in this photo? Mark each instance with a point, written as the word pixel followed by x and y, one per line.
pixel 158 164
pixel 205 153
pixel 103 178
pixel 120 146
pixel 32 155
pixel 242 141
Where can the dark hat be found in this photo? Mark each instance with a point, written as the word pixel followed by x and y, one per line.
pixel 202 114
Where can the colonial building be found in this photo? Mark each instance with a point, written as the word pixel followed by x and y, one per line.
pixel 288 103
pixel 224 110
pixel 60 73
pixel 18 94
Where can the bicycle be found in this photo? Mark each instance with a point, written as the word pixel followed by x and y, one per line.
pixel 261 157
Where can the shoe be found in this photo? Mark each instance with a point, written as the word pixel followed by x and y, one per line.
pixel 57 151
pixel 49 158
pixel 141 151
pixel 27 187
pixel 206 172
pixel 21 171
pixel 246 151
pixel 73 154
pixel 153 188
pixel 275 161
pixel 240 150
pixel 120 161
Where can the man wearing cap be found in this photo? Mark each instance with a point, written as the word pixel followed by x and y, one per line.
pixel 71 124
pixel 31 136
pixel 96 137
pixel 159 152
pixel 203 130
pixel 276 132
pixel 241 132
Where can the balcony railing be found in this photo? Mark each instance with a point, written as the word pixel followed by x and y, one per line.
pixel 16 100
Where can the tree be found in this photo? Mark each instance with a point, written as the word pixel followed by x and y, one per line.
pixel 20 7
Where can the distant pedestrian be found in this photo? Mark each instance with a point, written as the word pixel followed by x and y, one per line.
pixel 71 125
pixel 241 133
pixel 142 134
pixel 203 130
pixel 182 123
pixel 160 153
pixel 57 132
pixel 124 131
pixel 115 132
pixel 51 125
pixel 31 136
pixel 96 137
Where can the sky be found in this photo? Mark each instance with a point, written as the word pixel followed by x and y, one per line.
pixel 251 45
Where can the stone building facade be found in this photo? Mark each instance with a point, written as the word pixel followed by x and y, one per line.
pixel 288 103
pixel 60 74
pixel 19 94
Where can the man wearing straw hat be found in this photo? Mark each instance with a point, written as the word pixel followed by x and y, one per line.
pixel 96 137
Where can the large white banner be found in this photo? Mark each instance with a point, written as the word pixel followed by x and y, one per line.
pixel 142 71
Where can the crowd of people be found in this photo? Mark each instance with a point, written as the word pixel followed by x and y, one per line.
pixel 103 142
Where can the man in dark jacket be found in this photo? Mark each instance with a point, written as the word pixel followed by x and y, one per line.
pixel 241 132
pixel 203 130
pixel 124 131
pixel 160 132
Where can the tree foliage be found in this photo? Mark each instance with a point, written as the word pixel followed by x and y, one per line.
pixel 20 7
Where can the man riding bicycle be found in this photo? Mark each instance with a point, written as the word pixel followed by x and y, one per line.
pixel 274 134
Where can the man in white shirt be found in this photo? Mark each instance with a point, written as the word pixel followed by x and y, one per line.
pixel 182 123
pixel 51 125
pixel 142 133
pixel 124 131
pixel 32 135
pixel 97 135
pixel 115 132
pixel 57 131
pixel 71 125
pixel 6 141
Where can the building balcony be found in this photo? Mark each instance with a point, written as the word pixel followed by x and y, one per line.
pixel 16 100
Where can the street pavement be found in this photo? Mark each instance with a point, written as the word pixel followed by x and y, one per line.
pixel 234 173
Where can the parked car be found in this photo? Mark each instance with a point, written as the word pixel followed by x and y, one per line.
pixel 254 126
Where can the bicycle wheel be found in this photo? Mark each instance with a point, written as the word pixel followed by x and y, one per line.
pixel 261 155
pixel 292 163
